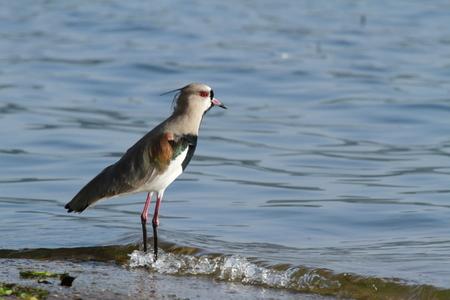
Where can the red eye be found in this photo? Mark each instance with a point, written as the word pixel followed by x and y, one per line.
pixel 204 94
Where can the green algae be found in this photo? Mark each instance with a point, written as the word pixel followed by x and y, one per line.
pixel 41 276
pixel 31 274
pixel 22 292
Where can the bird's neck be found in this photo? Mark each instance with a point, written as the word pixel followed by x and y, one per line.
pixel 186 122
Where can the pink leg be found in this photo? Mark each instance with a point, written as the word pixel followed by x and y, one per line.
pixel 155 223
pixel 156 214
pixel 144 215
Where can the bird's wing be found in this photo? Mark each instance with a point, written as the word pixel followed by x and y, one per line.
pixel 148 157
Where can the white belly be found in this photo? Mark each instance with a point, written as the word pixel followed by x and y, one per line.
pixel 159 182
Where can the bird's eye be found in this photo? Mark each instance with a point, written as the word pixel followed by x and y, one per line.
pixel 203 94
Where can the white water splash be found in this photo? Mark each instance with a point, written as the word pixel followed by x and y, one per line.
pixel 230 268
pixel 169 263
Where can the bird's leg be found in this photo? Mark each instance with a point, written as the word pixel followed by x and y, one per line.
pixel 144 215
pixel 155 223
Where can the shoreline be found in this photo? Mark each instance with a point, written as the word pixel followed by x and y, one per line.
pixel 123 272
pixel 111 281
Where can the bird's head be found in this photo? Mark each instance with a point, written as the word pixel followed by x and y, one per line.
pixel 196 97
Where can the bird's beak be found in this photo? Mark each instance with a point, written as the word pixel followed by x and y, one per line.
pixel 216 102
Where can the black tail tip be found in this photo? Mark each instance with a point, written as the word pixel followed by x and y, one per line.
pixel 68 208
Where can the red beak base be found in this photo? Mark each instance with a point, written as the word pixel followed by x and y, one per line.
pixel 216 102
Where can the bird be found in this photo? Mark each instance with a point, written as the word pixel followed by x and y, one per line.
pixel 156 160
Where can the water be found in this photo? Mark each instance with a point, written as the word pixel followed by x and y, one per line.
pixel 334 152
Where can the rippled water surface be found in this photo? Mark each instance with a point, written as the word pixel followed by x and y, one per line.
pixel 334 152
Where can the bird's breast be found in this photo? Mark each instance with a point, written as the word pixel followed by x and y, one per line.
pixel 160 180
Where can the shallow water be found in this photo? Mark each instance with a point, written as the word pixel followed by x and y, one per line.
pixel 334 152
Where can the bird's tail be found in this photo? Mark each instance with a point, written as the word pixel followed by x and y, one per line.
pixel 83 199
pixel 79 203
pixel 119 178
pixel 95 190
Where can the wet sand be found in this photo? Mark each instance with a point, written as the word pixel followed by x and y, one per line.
pixel 104 280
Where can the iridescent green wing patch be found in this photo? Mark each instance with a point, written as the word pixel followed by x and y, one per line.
pixel 178 146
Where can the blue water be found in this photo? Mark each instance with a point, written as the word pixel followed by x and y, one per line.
pixel 334 151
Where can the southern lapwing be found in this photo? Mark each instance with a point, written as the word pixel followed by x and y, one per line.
pixel 156 160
